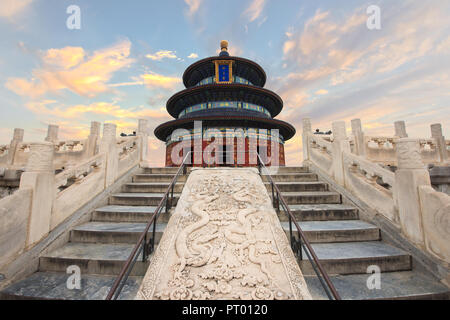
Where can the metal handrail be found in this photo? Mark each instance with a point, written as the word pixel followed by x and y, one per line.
pixel 297 245
pixel 143 246
pixel 147 247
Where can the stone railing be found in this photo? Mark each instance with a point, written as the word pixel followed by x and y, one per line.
pixel 128 153
pixel 373 184
pixel 405 197
pixel 382 149
pixel 70 145
pixel 77 173
pixel 44 200
pixel 321 152
pixel 66 153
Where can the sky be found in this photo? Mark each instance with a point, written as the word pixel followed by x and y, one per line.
pixel 128 58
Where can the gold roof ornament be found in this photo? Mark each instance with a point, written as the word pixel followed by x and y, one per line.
pixel 224 45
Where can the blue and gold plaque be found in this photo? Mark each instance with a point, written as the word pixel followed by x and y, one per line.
pixel 224 72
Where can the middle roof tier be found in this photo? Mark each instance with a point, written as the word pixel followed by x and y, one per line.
pixel 224 92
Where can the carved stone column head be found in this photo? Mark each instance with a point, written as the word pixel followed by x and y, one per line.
pixel 306 125
pixel 142 126
pixel 95 128
pixel 400 129
pixel 18 134
pixel 436 130
pixel 339 132
pixel 109 131
pixel 52 133
pixel 408 154
pixel 41 157
pixel 356 126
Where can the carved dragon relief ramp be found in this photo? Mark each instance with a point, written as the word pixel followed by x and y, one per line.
pixel 224 241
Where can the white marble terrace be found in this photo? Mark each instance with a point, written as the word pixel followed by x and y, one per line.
pixel 59 177
pixel 405 197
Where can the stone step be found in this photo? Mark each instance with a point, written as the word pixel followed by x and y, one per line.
pixel 321 212
pixel 91 258
pixel 292 177
pixel 139 199
pixel 298 186
pixel 405 285
pixel 161 170
pixel 151 187
pixel 53 285
pixel 113 232
pixel 124 214
pixel 355 257
pixel 143 177
pixel 312 197
pixel 282 170
pixel 336 231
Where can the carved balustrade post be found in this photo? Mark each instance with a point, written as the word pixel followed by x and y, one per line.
pixel 52 133
pixel 143 139
pixel 340 145
pixel 360 148
pixel 436 133
pixel 108 146
pixel 92 143
pixel 411 174
pixel 14 145
pixel 305 140
pixel 40 177
pixel 400 129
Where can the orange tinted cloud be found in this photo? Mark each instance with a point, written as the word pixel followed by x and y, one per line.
pixel 69 68
pixel 98 108
pixel 162 54
pixel 153 80
pixel 10 8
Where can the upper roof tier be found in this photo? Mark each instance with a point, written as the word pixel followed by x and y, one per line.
pixel 243 68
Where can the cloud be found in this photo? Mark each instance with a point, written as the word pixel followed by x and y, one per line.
pixel 53 109
pixel 330 51
pixel 193 56
pixel 162 54
pixel 64 58
pixel 322 92
pixel 344 50
pixel 70 68
pixel 153 80
pixel 127 84
pixel 10 8
pixel 254 10
pixel 193 6
pixel 397 73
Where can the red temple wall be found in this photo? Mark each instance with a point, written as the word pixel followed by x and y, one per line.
pixel 251 146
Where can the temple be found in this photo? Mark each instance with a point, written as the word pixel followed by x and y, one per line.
pixel 225 112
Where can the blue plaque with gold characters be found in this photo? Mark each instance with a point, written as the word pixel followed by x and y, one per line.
pixel 224 72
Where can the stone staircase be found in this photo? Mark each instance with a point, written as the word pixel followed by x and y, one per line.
pixel 101 247
pixel 347 245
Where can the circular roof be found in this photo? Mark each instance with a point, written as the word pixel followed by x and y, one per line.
pixel 165 129
pixel 242 67
pixel 222 92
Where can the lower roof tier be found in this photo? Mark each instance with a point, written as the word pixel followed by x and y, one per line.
pixel 223 92
pixel 166 129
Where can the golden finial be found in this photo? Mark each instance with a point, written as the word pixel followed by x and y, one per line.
pixel 224 45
